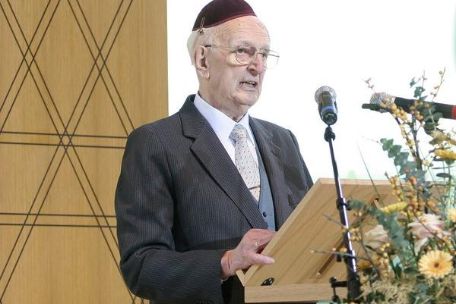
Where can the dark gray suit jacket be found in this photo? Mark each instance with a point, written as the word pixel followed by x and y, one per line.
pixel 181 202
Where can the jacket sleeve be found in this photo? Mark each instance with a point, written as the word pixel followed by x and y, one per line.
pixel 144 202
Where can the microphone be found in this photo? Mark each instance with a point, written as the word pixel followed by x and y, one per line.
pixel 327 106
pixel 379 100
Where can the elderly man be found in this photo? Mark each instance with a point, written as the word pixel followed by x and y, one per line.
pixel 201 192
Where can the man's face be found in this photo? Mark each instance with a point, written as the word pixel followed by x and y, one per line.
pixel 231 87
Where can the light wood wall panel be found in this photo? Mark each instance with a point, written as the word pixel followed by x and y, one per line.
pixel 76 77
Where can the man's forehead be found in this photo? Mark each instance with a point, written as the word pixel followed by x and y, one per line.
pixel 244 30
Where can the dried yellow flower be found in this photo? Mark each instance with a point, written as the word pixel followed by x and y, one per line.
pixel 445 154
pixel 364 264
pixel 451 214
pixel 394 207
pixel 435 264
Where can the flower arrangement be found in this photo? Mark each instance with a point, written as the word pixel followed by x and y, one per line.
pixel 407 248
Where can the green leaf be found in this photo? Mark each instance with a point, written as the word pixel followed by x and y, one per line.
pixel 386 143
pixel 397 266
pixel 410 270
pixel 443 175
pixel 418 91
pixel 356 204
pixel 401 159
pixel 394 150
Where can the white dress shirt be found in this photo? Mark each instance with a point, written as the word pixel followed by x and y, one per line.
pixel 223 125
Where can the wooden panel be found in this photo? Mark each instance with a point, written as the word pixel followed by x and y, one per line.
pixel 313 225
pixel 292 293
pixel 76 78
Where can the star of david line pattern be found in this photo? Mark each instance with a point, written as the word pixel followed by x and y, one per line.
pixel 65 147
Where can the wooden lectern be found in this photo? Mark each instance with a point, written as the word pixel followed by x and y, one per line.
pixel 299 275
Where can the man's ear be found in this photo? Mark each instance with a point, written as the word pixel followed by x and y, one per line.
pixel 201 62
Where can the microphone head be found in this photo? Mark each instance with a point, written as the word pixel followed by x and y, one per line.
pixel 327 107
pixel 382 100
pixel 324 89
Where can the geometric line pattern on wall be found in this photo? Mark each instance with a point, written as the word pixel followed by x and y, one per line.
pixel 64 139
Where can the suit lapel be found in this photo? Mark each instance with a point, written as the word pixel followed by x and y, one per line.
pixel 213 156
pixel 274 169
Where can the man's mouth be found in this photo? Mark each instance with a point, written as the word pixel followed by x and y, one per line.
pixel 249 83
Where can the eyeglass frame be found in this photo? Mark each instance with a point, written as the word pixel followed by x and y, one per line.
pixel 234 50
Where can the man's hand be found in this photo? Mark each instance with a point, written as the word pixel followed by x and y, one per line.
pixel 247 252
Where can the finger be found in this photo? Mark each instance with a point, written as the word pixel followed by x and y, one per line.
pixel 260 248
pixel 263 241
pixel 261 259
pixel 260 244
pixel 259 234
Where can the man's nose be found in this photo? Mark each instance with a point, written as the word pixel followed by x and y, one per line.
pixel 257 64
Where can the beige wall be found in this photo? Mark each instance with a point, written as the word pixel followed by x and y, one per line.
pixel 76 76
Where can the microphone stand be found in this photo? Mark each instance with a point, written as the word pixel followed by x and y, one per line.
pixel 352 283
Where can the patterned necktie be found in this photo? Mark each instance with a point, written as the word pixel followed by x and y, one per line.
pixel 244 160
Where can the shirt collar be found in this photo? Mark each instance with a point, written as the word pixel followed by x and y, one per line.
pixel 219 121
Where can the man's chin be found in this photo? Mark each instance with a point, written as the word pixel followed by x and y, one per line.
pixel 247 104
pixel 248 99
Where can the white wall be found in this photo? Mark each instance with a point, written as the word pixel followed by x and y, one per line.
pixel 340 44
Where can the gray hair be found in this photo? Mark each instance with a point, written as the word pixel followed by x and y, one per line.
pixel 197 38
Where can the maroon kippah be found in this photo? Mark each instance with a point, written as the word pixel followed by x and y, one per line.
pixel 218 11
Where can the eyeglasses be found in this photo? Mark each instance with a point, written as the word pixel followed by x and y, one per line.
pixel 245 55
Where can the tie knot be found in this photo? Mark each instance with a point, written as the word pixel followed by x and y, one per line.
pixel 239 132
